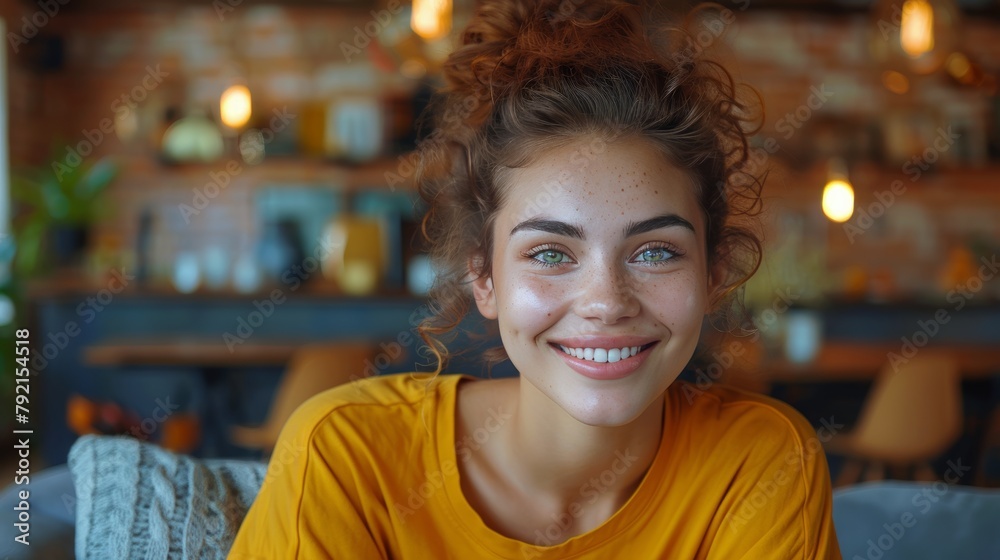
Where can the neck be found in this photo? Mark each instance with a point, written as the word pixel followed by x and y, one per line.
pixel 569 462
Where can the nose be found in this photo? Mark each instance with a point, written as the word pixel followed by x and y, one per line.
pixel 608 296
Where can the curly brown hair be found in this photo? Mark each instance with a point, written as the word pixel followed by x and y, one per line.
pixel 530 76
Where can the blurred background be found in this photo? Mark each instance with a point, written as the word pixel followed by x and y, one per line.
pixel 210 215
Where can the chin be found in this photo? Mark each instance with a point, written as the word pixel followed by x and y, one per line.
pixel 604 408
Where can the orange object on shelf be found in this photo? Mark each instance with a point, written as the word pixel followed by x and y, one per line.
pixel 81 413
pixel 958 269
pixel 181 433
pixel 360 263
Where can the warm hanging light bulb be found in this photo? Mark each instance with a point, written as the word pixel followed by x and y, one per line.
pixel 916 31
pixel 431 19
pixel 234 106
pixel 838 194
pixel 838 200
pixel 914 36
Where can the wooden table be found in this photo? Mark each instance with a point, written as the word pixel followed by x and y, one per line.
pixel 188 352
pixel 211 358
pixel 846 361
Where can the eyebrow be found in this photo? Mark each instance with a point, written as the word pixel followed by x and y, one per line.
pixel 664 221
pixel 633 228
pixel 549 226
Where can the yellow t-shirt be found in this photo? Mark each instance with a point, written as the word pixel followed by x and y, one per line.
pixel 370 470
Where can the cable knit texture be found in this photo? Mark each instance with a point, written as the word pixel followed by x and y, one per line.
pixel 137 500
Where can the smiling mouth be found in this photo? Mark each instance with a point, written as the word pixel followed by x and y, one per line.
pixel 604 355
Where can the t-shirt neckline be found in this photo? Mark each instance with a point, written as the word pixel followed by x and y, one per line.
pixel 466 517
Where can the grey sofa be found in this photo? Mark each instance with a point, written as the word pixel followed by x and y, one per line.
pixel 129 499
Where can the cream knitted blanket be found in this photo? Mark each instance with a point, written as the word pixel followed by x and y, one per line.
pixel 136 500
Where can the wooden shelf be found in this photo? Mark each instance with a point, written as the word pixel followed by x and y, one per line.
pixel 288 169
pixel 70 285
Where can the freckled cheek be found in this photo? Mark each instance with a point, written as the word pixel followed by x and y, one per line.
pixel 533 303
pixel 677 301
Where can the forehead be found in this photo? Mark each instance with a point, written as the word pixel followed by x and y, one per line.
pixel 600 182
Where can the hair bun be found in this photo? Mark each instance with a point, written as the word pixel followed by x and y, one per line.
pixel 512 43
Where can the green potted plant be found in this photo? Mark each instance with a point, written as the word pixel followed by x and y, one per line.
pixel 58 204
pixel 54 206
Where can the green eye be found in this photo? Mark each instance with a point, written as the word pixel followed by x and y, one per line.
pixel 551 257
pixel 654 255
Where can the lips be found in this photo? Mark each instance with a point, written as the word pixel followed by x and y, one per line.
pixel 603 357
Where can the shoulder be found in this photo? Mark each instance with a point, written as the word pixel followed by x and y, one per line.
pixel 770 486
pixel 761 423
pixel 368 404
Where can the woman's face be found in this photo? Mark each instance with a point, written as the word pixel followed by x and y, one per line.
pixel 600 282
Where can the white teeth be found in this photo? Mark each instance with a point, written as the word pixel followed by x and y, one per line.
pixel 602 355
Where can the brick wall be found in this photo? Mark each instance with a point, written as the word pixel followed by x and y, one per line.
pixel 27 130
pixel 284 53
pixel 900 242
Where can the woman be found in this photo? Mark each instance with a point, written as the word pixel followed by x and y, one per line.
pixel 587 192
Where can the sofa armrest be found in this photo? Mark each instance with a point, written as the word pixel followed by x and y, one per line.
pixel 137 500
pixel 905 520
